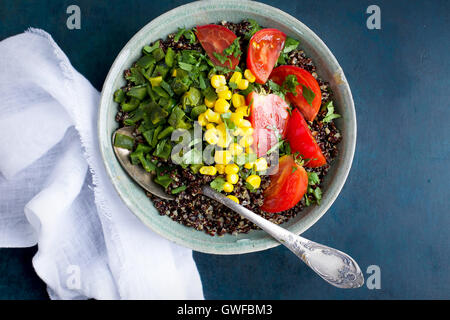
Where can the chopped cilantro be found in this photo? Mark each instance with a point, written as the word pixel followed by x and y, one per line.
pixel 308 94
pixel 290 45
pixel 330 113
pixel 313 178
pixel 253 28
pixel 290 84
pixel 217 184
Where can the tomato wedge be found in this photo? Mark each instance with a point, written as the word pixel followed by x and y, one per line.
pixel 215 39
pixel 263 52
pixel 304 78
pixel 269 116
pixel 287 187
pixel 302 141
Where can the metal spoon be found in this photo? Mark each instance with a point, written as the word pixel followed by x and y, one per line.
pixel 334 266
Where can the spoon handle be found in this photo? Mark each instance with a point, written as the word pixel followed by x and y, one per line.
pixel 334 266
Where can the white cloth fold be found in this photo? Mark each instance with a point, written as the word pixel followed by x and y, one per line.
pixel 54 190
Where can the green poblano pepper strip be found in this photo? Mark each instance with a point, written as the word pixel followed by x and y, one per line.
pixel 131 105
pixel 146 164
pixel 150 49
pixel 155 136
pixel 160 70
pixel 164 180
pixel 161 92
pixel 119 96
pixel 170 57
pixel 138 92
pixel 165 132
pixel 158 54
pixel 146 61
pixel 158 114
pixel 194 96
pixel 167 88
pixel 179 189
pixel 196 111
pixel 141 148
pixel 163 149
pixel 148 136
pixel 123 141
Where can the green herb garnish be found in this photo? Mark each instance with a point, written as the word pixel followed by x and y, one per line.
pixel 217 184
pixel 330 112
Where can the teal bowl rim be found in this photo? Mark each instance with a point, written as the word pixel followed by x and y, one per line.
pixel 240 243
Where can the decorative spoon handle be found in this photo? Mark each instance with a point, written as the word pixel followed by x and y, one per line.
pixel 334 266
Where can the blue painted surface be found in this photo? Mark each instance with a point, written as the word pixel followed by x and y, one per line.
pixel 394 209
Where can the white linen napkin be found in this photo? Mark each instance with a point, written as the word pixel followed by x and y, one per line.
pixel 54 190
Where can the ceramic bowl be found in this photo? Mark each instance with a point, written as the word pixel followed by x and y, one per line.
pixel 204 12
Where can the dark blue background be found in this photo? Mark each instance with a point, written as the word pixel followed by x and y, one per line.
pixel 394 209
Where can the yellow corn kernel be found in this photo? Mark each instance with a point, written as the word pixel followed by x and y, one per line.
pixel 243 111
pixel 221 106
pixel 156 81
pixel 212 116
pixel 222 157
pixel 228 187
pixel 210 126
pixel 224 94
pixel 243 123
pixel 202 119
pixel 218 80
pixel 236 77
pixel 221 89
pixel 249 165
pixel 246 131
pixel 238 100
pixel 232 178
pixel 208 103
pixel 237 132
pixel 246 141
pixel 211 136
pixel 236 118
pixel 254 180
pixel 231 168
pixel 249 150
pixel 243 84
pixel 174 73
pixel 233 198
pixel 249 76
pixel 224 140
pixel 235 149
pixel 261 164
pixel 222 128
pixel 208 170
pixel 220 168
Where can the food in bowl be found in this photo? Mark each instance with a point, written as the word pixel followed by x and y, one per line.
pixel 267 136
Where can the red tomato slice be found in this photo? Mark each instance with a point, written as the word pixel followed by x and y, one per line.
pixel 269 117
pixel 304 78
pixel 263 52
pixel 287 187
pixel 215 38
pixel 302 141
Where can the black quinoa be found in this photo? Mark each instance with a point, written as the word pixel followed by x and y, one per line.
pixel 195 210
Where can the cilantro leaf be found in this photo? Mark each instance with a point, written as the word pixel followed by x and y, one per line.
pixel 217 184
pixel 290 84
pixel 313 178
pixel 308 94
pixel 290 45
pixel 226 117
pixel 253 28
pixel 317 194
pixel 330 113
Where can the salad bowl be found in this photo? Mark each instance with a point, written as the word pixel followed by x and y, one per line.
pixel 207 12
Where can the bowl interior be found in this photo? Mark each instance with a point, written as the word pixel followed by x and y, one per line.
pixel 204 12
